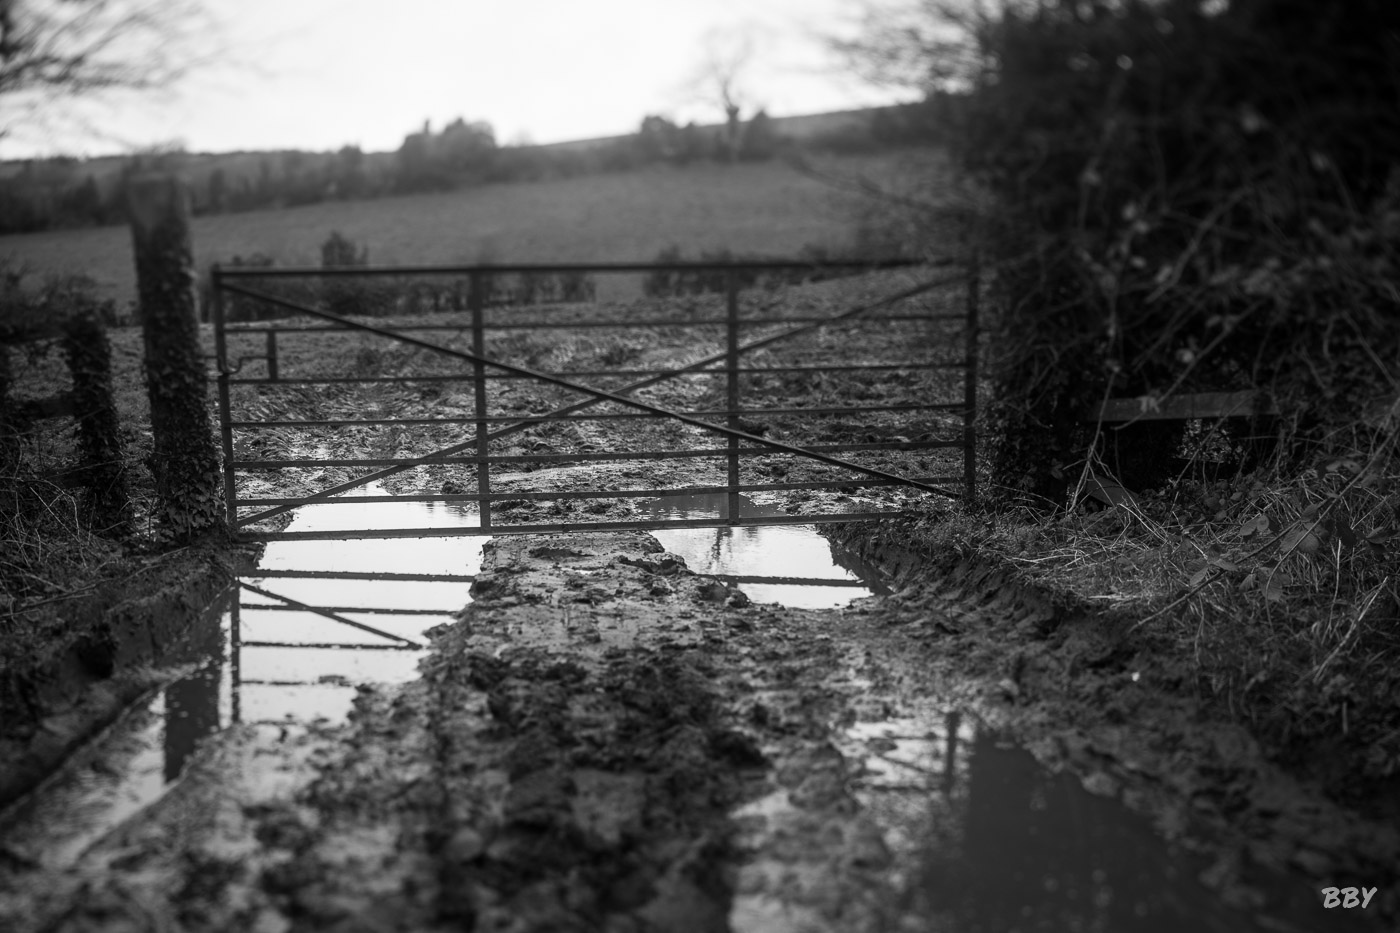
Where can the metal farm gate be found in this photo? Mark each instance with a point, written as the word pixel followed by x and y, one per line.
pixel 424 312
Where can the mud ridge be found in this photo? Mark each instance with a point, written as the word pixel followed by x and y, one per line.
pixel 116 645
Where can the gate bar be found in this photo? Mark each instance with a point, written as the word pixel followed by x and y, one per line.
pixel 475 299
pixel 463 377
pixel 753 265
pixel 365 575
pixel 697 453
pixel 576 527
pixel 970 384
pixel 605 494
pixel 324 612
pixel 575 325
pixel 731 368
pixel 511 419
pixel 336 645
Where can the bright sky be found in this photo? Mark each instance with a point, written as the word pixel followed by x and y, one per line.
pixel 320 74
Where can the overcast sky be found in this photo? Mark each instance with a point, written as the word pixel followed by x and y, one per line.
pixel 320 74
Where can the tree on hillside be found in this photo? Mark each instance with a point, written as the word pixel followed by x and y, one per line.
pixel 658 138
pixel 467 147
pixel 761 139
pixel 349 178
pixel 53 52
pixel 722 80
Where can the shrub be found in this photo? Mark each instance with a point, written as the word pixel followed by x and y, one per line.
pixel 349 296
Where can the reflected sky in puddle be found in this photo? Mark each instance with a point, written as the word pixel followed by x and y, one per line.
pixel 777 551
pixel 287 665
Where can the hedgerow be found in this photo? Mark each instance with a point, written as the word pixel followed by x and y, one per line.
pixel 1188 196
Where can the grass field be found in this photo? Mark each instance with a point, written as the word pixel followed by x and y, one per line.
pixel 767 207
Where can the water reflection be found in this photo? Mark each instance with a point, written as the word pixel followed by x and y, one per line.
pixel 787 564
pixel 316 618
pixel 192 713
pixel 129 768
pixel 1001 844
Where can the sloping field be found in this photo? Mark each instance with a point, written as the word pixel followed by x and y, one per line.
pixel 769 208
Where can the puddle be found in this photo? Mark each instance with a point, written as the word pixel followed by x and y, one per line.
pixel 256 659
pixel 132 764
pixel 787 564
pixel 292 663
pixel 995 842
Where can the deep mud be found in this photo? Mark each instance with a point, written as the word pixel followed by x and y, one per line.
pixel 607 741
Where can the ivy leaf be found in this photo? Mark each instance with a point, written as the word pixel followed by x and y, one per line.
pixel 1258 525
pixel 1381 535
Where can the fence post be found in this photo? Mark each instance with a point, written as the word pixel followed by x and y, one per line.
pixel 731 367
pixel 476 300
pixel 106 504
pixel 272 373
pixel 970 384
pixel 216 304
pixel 185 461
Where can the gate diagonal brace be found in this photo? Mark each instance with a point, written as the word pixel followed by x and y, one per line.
pixel 599 395
pixel 409 642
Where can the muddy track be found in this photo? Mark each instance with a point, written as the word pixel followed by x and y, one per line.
pixel 602 741
pixel 572 759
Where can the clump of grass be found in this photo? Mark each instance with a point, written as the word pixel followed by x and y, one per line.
pixel 45 545
pixel 1279 588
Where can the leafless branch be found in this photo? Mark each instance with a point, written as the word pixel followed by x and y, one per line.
pixel 54 51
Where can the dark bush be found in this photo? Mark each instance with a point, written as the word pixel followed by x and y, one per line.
pixel 351 295
pixel 1188 197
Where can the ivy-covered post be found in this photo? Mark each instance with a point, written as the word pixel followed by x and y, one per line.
pixel 185 461
pixel 106 505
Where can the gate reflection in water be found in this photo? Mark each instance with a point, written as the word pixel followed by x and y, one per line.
pixel 788 564
pixel 292 662
pixel 318 617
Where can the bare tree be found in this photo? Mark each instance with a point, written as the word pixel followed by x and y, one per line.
pixel 55 52
pixel 721 79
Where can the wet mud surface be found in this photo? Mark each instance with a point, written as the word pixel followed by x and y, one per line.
pixel 604 740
